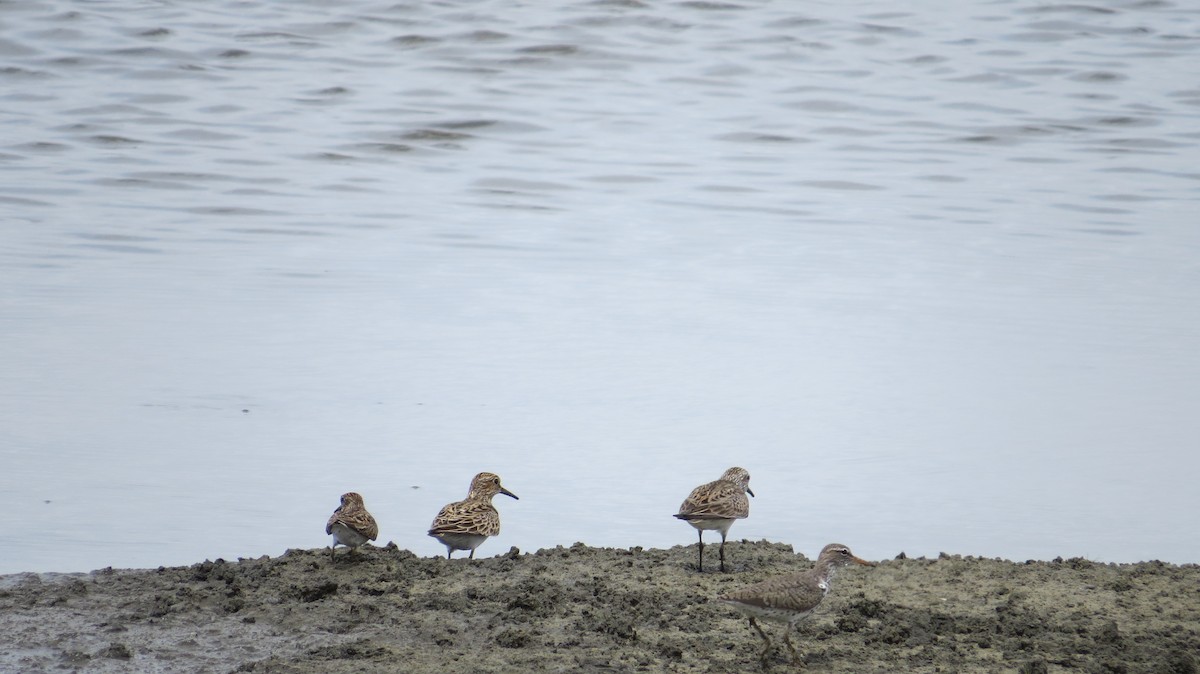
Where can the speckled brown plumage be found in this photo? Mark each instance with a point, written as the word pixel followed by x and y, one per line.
pixel 351 525
pixel 465 524
pixel 714 506
pixel 792 597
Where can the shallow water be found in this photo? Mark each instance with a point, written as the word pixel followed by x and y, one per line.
pixel 929 273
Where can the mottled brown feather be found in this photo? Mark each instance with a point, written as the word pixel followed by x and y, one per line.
pixel 467 517
pixel 797 592
pixel 724 498
pixel 353 514
pixel 474 514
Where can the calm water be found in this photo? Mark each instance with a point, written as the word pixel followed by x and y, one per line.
pixel 930 272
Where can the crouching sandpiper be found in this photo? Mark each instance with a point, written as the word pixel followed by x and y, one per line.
pixel 792 597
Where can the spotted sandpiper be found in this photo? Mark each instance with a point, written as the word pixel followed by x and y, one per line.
pixel 716 505
pixel 790 598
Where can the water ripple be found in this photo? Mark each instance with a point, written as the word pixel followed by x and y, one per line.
pixel 762 222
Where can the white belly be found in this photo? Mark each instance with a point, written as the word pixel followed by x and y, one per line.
pixel 461 541
pixel 344 535
pixel 714 524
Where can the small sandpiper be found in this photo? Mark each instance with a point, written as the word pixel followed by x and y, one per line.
pixel 465 524
pixel 716 505
pixel 792 597
pixel 351 525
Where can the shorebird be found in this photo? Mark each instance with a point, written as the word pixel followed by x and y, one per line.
pixel 464 524
pixel 716 505
pixel 792 597
pixel 351 525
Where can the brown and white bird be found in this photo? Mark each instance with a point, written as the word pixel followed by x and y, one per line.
pixel 351 525
pixel 716 505
pixel 792 597
pixel 465 524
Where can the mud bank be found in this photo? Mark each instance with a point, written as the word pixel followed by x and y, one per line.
pixel 582 609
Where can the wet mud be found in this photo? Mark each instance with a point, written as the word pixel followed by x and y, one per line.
pixel 583 609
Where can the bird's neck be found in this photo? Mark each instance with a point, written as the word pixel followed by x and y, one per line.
pixel 824 574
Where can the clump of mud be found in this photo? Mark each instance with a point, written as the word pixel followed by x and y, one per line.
pixel 597 609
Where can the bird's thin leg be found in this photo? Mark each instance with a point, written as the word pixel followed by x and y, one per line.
pixel 331 549
pixel 766 640
pixel 700 563
pixel 786 634
pixel 448 552
pixel 722 552
pixel 472 555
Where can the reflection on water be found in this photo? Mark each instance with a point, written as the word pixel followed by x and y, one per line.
pixel 928 273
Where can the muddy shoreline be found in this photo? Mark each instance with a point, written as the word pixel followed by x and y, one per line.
pixel 583 609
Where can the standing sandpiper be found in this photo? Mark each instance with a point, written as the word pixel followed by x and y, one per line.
pixel 351 525
pixel 716 505
pixel 792 597
pixel 465 524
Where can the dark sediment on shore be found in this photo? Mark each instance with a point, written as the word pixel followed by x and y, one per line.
pixel 582 609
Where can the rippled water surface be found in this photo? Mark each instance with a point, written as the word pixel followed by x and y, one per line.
pixel 930 271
